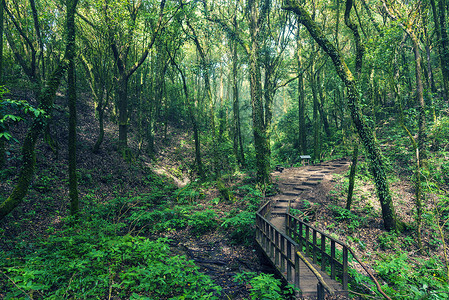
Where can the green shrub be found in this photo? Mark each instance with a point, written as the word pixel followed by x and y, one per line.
pixel 388 240
pixel 160 220
pixel 241 227
pixel 203 221
pixel 263 286
pixel 342 214
pixel 252 196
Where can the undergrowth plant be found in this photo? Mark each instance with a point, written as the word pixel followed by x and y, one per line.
pixel 241 227
pixel 263 286
pixel 90 261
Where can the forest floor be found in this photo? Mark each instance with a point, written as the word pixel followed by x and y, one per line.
pixel 105 176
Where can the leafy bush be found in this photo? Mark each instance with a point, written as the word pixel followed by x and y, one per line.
pixel 263 286
pixel 421 279
pixel 342 214
pixel 161 219
pixel 203 221
pixel 189 194
pixel 252 196
pixel 241 227
pixel 388 240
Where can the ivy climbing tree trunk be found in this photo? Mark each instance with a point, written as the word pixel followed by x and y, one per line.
pixel 365 133
pixel 71 95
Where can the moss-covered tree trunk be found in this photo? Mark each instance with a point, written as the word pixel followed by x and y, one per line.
pixel 301 103
pixel 365 133
pixel 440 23
pixel 259 128
pixel 71 95
pixel 2 140
pixel 238 141
pixel 355 153
pixel 26 174
pixel 316 121
pixel 321 102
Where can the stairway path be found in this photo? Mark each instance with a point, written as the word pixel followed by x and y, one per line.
pixel 297 184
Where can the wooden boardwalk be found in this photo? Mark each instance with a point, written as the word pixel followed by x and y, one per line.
pixel 306 257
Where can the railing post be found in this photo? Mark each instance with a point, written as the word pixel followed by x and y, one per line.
pixel 307 241
pixel 345 276
pixel 314 246
pixel 289 257
pixel 276 248
pixel 332 259
pixel 297 269
pixel 267 238
pixel 271 242
pixel 320 291
pixel 264 237
pixel 300 239
pixel 283 253
pixel 323 252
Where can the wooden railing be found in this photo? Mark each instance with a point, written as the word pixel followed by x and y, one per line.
pixel 283 251
pixel 330 254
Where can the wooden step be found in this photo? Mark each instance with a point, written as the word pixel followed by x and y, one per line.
pixel 292 194
pixel 311 183
pixel 302 188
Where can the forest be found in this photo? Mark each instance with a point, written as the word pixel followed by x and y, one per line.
pixel 138 139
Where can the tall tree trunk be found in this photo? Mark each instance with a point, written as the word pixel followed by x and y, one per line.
pixel 2 141
pixel 420 153
pixel 321 102
pixel 122 91
pixel 439 18
pixel 259 128
pixel 301 106
pixel 377 166
pixel 71 94
pixel 444 45
pixel 238 141
pixel 316 121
